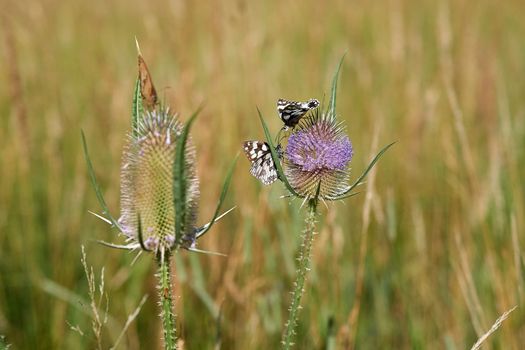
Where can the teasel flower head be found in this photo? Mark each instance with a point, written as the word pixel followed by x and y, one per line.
pixel 159 184
pixel 317 157
pixel 148 213
pixel 159 190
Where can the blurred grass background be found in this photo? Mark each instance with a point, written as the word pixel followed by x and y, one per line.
pixel 429 257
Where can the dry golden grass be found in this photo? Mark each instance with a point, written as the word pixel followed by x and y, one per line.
pixel 428 257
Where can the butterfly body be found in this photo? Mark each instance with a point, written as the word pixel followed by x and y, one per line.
pixel 291 112
pixel 263 166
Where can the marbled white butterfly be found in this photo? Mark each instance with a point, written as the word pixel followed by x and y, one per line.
pixel 291 112
pixel 263 166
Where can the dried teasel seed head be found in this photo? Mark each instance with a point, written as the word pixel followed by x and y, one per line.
pixel 147 182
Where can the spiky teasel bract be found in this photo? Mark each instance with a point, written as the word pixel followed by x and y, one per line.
pixel 147 183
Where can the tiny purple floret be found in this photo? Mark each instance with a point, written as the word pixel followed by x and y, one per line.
pixel 319 147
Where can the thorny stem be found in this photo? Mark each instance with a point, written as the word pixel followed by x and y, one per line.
pixel 166 304
pixel 303 268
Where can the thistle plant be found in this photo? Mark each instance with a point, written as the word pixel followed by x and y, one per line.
pixel 159 191
pixel 315 167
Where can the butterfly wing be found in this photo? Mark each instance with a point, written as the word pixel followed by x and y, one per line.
pixel 263 167
pixel 291 112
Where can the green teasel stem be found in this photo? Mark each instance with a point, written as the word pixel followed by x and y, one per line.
pixel 303 268
pixel 166 303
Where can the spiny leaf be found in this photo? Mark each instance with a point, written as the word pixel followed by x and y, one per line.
pixel 203 229
pixel 206 252
pixel 137 108
pixel 139 233
pixel 365 173
pixel 333 93
pixel 224 191
pixel 348 195
pixel 179 179
pixel 94 182
pixel 116 246
pixel 275 157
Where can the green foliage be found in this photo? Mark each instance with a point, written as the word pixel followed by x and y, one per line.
pixel 333 91
pixel 96 187
pixel 137 109
pixel 275 157
pixel 226 185
pixel 362 177
pixel 179 180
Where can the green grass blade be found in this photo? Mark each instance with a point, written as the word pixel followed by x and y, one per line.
pixel 333 92
pixel 331 335
pixel 204 228
pixel 205 252
pixel 179 179
pixel 348 195
pixel 224 191
pixel 365 173
pixel 137 108
pixel 198 284
pixel 275 157
pixel 98 192
pixel 79 303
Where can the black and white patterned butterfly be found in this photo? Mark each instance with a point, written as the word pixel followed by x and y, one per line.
pixel 291 112
pixel 263 166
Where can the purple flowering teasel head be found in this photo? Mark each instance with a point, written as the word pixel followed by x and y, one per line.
pixel 318 155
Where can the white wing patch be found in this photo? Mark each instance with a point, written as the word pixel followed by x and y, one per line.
pixel 263 167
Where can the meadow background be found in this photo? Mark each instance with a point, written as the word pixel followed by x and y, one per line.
pixel 426 258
